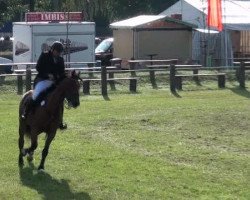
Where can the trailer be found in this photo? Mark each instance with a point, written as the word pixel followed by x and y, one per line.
pixel 32 38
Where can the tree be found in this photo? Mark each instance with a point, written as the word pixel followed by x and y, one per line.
pixel 43 5
pixel 55 4
pixel 158 6
pixel 102 12
pixel 12 10
pixel 31 5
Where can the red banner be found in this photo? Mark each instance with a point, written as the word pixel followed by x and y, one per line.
pixel 214 17
pixel 53 16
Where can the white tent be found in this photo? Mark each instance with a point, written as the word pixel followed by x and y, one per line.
pixel 235 14
pixel 235 17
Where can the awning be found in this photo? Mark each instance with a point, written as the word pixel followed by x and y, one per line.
pixel 136 21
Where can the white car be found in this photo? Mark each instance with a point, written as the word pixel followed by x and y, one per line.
pixel 104 51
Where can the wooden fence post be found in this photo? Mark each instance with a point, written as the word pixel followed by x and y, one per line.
pixel 152 75
pixel 19 84
pixel 86 86
pixel 104 81
pixel 132 67
pixel 221 81
pixel 172 78
pixel 132 85
pixel 195 78
pixel 28 78
pixel 111 82
pixel 90 66
pixel 242 75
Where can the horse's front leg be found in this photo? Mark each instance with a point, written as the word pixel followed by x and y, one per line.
pixel 45 151
pixel 33 146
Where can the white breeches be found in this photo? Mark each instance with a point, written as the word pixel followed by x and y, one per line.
pixel 40 87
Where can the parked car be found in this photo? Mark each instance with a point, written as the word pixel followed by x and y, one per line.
pixel 97 41
pixel 104 51
pixel 5 69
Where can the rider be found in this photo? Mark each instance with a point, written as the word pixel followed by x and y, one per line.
pixel 51 69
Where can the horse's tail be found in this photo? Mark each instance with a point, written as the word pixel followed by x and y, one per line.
pixel 23 127
pixel 24 101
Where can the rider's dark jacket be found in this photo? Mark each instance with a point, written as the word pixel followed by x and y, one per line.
pixel 47 64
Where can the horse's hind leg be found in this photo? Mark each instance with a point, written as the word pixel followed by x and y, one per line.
pixel 21 144
pixel 30 151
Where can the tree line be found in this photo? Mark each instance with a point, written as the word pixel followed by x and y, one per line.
pixel 102 12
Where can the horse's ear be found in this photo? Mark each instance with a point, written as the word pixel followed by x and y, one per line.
pixel 73 73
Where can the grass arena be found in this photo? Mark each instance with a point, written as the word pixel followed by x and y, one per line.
pixel 147 145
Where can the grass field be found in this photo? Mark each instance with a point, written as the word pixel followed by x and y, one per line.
pixel 148 145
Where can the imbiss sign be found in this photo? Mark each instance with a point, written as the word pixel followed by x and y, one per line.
pixel 53 16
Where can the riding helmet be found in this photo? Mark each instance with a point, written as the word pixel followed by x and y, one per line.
pixel 58 46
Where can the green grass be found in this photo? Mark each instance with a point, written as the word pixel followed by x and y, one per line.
pixel 149 145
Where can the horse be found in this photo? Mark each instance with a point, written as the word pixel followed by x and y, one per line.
pixel 46 118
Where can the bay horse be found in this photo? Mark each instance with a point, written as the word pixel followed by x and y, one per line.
pixel 46 118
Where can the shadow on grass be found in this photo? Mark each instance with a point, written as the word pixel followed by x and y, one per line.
pixel 106 98
pixel 117 92
pixel 241 91
pixel 47 186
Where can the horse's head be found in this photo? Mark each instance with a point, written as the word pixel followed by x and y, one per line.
pixel 71 87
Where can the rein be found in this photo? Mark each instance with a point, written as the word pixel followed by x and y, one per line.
pixel 67 105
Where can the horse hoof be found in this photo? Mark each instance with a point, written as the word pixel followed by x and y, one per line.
pixel 20 164
pixel 41 169
pixel 20 161
pixel 30 158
